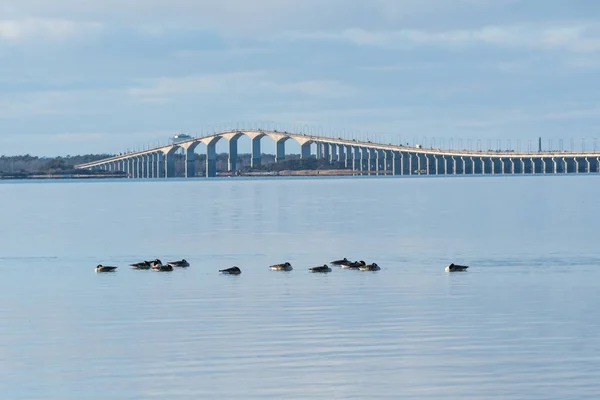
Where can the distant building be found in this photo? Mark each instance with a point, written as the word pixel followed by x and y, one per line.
pixel 180 138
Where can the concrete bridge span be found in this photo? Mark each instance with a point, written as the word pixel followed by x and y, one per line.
pixel 365 157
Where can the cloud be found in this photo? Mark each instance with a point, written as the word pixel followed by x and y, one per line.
pixel 581 38
pixel 44 29
pixel 231 85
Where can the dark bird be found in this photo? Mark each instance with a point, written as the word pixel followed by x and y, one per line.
pixel 369 267
pixel 282 267
pixel 141 265
pixel 455 267
pixel 354 265
pixel 324 268
pixel 183 263
pixel 340 262
pixel 105 268
pixel 231 271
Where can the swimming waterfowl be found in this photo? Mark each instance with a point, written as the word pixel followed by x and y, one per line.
pixel 104 268
pixel 162 267
pixel 141 265
pixel 354 265
pixel 183 263
pixel 370 267
pixel 340 262
pixel 455 267
pixel 324 268
pixel 155 264
pixel 231 271
pixel 282 267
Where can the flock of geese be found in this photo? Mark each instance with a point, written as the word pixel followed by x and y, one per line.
pixel 344 263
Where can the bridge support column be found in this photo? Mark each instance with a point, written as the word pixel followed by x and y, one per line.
pixel 305 151
pixel 397 163
pixel 211 160
pixel 341 154
pixel 256 154
pixel 522 165
pixel 160 165
pixel 190 163
pixel 138 167
pixel 554 166
pixel 319 150
pixel 464 165
pixel 348 158
pixel 385 162
pixel 356 159
pixel 149 166
pixel 326 152
pixel 170 165
pixel 333 155
pixel 502 166
pixel 280 154
pixel 533 166
pixel 576 165
pixel 589 167
pixel 233 155
pixel 453 165
pixel 544 165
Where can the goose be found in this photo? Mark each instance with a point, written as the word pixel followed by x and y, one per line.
pixel 183 263
pixel 340 262
pixel 282 267
pixel 354 265
pixel 370 267
pixel 162 267
pixel 141 265
pixel 231 271
pixel 104 268
pixel 156 264
pixel 324 268
pixel 455 267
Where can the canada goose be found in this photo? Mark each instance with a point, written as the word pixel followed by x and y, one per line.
pixel 231 271
pixel 182 263
pixel 354 265
pixel 141 265
pixel 104 268
pixel 324 268
pixel 455 267
pixel 340 262
pixel 282 267
pixel 370 267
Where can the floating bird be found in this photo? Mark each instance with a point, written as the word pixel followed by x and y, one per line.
pixel 162 267
pixel 156 264
pixel 324 268
pixel 455 267
pixel 142 265
pixel 340 262
pixel 354 265
pixel 104 268
pixel 370 267
pixel 282 267
pixel 182 263
pixel 231 271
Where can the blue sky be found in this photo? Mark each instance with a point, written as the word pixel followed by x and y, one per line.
pixel 104 76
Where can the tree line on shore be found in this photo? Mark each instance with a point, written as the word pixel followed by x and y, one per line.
pixel 25 165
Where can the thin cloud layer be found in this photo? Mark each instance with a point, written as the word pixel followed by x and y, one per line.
pixel 434 68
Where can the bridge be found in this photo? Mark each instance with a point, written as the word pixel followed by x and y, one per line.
pixel 363 157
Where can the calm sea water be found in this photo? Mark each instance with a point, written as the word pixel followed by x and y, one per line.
pixel 521 323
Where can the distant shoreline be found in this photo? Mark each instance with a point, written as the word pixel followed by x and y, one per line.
pixel 257 174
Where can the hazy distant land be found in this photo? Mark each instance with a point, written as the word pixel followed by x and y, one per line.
pixel 32 167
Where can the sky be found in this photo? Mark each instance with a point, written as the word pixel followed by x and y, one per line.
pixel 106 76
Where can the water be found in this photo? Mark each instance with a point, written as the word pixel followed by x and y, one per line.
pixel 521 323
